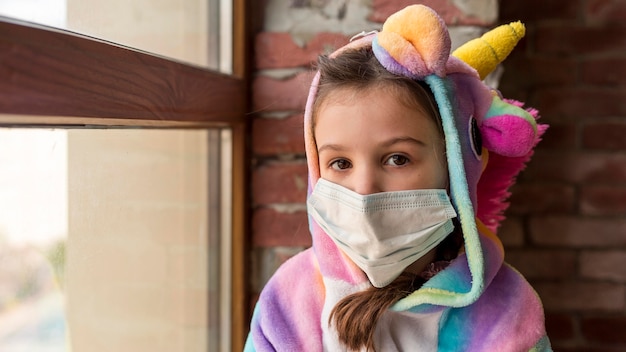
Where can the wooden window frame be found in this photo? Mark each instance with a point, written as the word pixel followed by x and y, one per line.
pixel 56 78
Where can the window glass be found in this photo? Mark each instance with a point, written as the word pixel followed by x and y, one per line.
pixel 194 31
pixel 33 234
pixel 112 240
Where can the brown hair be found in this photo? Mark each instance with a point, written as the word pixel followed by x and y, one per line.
pixel 360 70
pixel 356 315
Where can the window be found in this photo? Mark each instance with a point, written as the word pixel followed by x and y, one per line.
pixel 193 31
pixel 143 157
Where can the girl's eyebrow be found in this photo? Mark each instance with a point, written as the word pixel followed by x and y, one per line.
pixel 403 139
pixel 329 146
pixel 385 144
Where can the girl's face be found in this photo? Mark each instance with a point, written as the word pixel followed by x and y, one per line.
pixel 370 142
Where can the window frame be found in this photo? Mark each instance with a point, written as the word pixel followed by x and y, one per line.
pixel 57 78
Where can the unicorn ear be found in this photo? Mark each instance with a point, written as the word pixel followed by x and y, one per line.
pixel 507 129
pixel 413 42
pixel 486 52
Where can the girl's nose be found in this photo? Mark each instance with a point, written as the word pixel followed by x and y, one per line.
pixel 366 181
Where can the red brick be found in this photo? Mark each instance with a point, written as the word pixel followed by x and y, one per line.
pixel 278 50
pixel 270 94
pixel 515 80
pixel 541 198
pixel 543 264
pixel 381 9
pixel 578 232
pixel 584 168
pixel 609 71
pixel 271 136
pixel 279 183
pixel 272 228
pixel 609 265
pixel 581 296
pixel 560 326
pixel 604 329
pixel 552 70
pixel 524 70
pixel 605 11
pixel 579 40
pixel 512 90
pixel 605 135
pixel 511 232
pixel 603 200
pixel 560 136
pixel 566 103
pixel 535 10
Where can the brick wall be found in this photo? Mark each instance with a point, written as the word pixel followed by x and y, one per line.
pixel 569 208
pixel 566 229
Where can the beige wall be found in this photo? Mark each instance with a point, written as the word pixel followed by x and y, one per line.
pixel 137 251
pixel 177 29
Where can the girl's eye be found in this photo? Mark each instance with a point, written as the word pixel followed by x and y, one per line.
pixel 340 164
pixel 397 160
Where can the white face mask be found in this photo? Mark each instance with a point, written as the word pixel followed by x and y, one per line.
pixel 383 233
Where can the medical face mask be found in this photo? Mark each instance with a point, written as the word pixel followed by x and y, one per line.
pixel 382 233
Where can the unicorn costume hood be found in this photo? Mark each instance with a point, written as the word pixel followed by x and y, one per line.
pixel 478 302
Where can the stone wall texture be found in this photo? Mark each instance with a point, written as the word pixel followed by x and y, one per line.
pixel 566 227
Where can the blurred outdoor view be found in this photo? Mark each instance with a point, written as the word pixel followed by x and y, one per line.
pixel 106 242
pixel 33 231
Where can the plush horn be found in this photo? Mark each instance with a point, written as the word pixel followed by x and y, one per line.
pixel 486 52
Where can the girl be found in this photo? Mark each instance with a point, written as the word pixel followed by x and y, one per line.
pixel 410 156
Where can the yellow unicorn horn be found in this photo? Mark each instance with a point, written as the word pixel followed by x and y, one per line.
pixel 486 52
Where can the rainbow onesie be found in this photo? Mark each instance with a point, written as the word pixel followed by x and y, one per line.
pixel 478 302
